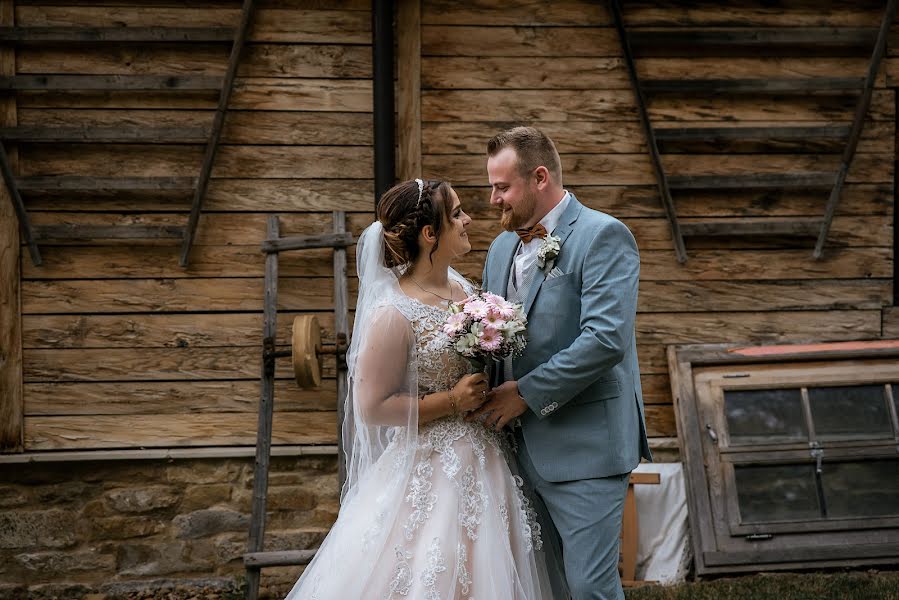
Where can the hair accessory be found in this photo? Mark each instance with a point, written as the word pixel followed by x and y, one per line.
pixel 421 189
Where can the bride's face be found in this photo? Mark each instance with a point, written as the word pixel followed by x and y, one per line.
pixel 454 236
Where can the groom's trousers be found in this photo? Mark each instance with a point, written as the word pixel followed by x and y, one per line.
pixel 586 514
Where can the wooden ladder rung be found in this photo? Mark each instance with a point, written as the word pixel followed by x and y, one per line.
pixel 108 232
pixel 754 181
pixel 66 183
pixel 106 135
pixel 120 83
pixel 285 558
pixel 825 85
pixel 116 34
pixel 663 41
pixel 804 227
pixel 302 242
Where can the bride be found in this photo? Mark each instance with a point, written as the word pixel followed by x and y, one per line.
pixel 432 508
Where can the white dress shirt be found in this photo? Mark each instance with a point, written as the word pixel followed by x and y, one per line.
pixel 526 255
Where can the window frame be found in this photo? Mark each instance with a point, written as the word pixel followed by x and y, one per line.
pixel 700 375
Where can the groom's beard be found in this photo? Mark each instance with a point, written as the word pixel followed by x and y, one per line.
pixel 518 216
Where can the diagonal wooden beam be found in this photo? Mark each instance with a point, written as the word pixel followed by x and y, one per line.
pixel 861 109
pixel 661 179
pixel 212 146
pixel 19 206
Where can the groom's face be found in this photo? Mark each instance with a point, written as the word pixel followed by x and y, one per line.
pixel 510 191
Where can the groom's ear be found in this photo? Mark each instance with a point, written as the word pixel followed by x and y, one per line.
pixel 541 177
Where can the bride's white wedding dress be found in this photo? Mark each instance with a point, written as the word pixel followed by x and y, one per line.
pixel 445 518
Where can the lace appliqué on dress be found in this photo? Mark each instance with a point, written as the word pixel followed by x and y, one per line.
pixel 436 564
pixel 472 503
pixel 530 528
pixel 420 496
pixel 401 582
pixel 462 569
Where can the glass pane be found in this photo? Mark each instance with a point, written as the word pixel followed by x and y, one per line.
pixel 775 414
pixel 776 493
pixel 858 410
pixel 861 489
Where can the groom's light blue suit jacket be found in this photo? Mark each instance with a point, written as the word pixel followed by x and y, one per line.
pixel 579 373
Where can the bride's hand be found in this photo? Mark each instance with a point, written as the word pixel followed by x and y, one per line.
pixel 470 392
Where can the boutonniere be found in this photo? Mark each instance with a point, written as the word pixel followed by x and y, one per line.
pixel 549 251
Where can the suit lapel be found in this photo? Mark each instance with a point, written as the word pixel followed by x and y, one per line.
pixel 562 231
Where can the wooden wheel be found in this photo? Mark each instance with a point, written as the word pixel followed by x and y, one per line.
pixel 307 351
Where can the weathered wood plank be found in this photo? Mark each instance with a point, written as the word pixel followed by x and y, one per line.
pixel 780 86
pixel 741 265
pixel 150 364
pixel 175 295
pixel 780 108
pixel 261 60
pixel 107 135
pixel 314 294
pixel 784 41
pixel 109 160
pixel 800 226
pixel 218 229
pixel 706 13
pixel 145 431
pixel 116 34
pixel 642 201
pixel 617 105
pixel 241 126
pixel 702 137
pixel 294 24
pixel 11 392
pixel 787 72
pixel 408 90
pixel 634 169
pixel 157 330
pixel 518 13
pixel 528 73
pixel 715 296
pixel 498 41
pixel 151 83
pixel 141 262
pixel 768 326
pixel 254 93
pixel 890 324
pixel 245 261
pixel 66 183
pixel 171 397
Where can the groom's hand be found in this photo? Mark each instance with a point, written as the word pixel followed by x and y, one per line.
pixel 503 404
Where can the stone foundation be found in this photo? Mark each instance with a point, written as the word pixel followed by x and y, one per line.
pixel 154 528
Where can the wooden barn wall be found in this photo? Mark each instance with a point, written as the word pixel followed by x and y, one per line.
pixel 559 66
pixel 123 348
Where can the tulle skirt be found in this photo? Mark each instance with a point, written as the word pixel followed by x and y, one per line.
pixel 452 523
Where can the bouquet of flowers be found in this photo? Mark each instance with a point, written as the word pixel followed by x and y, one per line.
pixel 485 327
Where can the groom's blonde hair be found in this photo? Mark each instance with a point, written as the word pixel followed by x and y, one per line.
pixel 533 147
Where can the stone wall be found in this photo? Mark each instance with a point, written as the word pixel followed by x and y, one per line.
pixel 137 528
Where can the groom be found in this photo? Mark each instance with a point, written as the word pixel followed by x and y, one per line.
pixel 576 389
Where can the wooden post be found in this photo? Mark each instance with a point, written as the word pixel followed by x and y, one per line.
pixel 408 25
pixel 266 408
pixel 12 400
pixel 341 332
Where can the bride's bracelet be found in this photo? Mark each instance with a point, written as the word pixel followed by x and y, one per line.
pixel 452 399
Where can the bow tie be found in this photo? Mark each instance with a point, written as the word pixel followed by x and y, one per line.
pixel 528 233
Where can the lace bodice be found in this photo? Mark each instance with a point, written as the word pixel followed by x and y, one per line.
pixel 439 366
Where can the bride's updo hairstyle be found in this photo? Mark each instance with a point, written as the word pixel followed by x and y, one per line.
pixel 403 214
